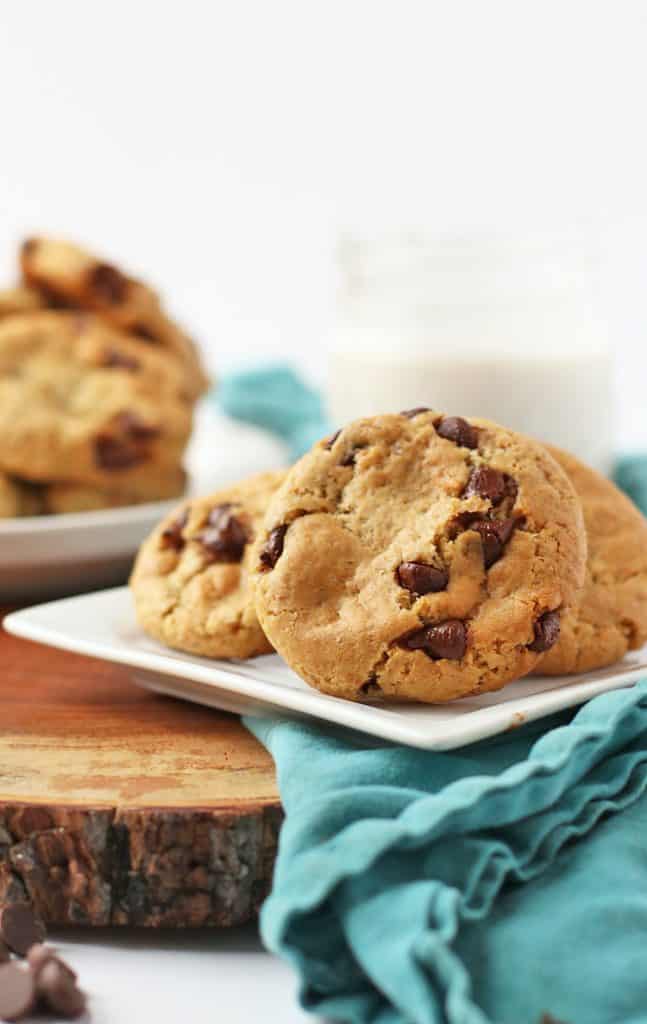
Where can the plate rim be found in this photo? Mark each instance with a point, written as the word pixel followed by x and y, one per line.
pixel 375 720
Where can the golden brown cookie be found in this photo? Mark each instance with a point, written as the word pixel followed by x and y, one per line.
pixel 69 275
pixel 60 498
pixel 191 578
pixel 418 557
pixel 18 499
pixel 611 616
pixel 78 404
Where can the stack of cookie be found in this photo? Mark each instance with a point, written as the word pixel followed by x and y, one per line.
pixel 413 557
pixel 97 387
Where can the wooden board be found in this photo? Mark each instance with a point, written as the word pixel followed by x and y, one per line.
pixel 118 806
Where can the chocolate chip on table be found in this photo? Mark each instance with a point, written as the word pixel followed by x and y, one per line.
pixel 458 430
pixel 273 548
pixel 20 927
pixel 442 640
pixel 171 536
pixel 115 360
pixel 17 991
pixel 546 630
pixel 489 483
pixel 421 578
pixel 329 442
pixel 108 283
pixel 411 413
pixel 494 534
pixel 225 536
pixel 57 986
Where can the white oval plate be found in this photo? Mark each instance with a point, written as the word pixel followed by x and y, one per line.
pixel 47 556
pixel 103 625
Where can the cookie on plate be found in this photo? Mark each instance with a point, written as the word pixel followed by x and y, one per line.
pixel 419 557
pixel 18 499
pixel 611 616
pixel 191 578
pixel 69 275
pixel 59 498
pixel 76 405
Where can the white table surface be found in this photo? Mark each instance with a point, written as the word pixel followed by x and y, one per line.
pixel 170 977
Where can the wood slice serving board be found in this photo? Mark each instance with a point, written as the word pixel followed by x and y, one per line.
pixel 121 807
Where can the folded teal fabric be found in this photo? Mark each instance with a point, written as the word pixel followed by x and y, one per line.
pixel 489 885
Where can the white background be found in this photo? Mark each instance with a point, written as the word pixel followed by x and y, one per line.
pixel 219 149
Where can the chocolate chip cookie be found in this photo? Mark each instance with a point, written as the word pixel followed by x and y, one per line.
pixel 611 616
pixel 419 557
pixel 70 276
pixel 191 578
pixel 20 300
pixel 76 405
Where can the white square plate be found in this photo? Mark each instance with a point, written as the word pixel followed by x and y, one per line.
pixel 103 625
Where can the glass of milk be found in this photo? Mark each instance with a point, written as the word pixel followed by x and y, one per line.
pixel 504 328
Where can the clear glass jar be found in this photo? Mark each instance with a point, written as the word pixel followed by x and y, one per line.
pixel 502 328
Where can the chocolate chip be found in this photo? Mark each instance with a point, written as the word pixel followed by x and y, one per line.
pixel 494 534
pixel 144 332
pixel 57 986
pixel 420 578
pixel 371 688
pixel 17 991
pixel 5 955
pixel 119 360
pixel 349 457
pixel 546 630
pixel 411 413
pixel 458 430
pixel 489 483
pixel 108 283
pixel 20 927
pixel 273 548
pixel 443 640
pixel 135 427
pixel 115 453
pixel 171 536
pixel 329 442
pixel 225 537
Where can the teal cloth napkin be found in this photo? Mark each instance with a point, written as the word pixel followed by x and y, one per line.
pixel 489 885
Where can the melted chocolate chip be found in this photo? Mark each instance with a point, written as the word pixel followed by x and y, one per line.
pixel 143 332
pixel 412 413
pixel 20 927
pixel 119 360
pixel 420 578
pixel 329 442
pixel 443 640
pixel 546 630
pixel 491 484
pixel 225 537
pixel 458 430
pixel 494 534
pixel 108 283
pixel 273 548
pixel 171 536
pixel 117 453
